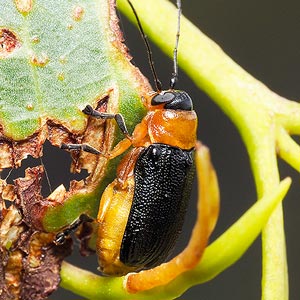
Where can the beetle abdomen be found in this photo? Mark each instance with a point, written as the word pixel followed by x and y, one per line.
pixel 163 176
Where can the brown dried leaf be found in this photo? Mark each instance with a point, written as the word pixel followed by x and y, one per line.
pixel 30 261
pixel 42 266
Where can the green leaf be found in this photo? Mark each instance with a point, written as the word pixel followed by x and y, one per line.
pixel 62 64
pixel 68 55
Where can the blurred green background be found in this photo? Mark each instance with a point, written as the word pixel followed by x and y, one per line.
pixel 264 38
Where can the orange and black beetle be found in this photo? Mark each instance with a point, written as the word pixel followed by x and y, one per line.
pixel 142 211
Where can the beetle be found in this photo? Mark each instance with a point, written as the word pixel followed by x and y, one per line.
pixel 142 211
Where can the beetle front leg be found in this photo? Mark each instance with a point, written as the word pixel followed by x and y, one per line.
pixel 88 110
pixel 137 139
pixel 120 148
pixel 208 210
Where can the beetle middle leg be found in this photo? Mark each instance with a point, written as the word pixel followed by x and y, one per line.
pixel 83 147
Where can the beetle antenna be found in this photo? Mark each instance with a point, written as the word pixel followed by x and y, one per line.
pixel 174 77
pixel 149 52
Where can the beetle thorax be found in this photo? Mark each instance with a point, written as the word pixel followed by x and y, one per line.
pixel 173 127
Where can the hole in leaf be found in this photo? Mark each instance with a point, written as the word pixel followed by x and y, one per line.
pixel 8 42
pixel 59 171
pixel 57 168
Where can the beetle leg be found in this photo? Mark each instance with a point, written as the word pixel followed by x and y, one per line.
pixel 140 134
pixel 83 147
pixel 88 110
pixel 126 166
pixel 138 139
pixel 63 235
pixel 208 210
pixel 120 148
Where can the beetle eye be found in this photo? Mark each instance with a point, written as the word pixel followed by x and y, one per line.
pixel 162 98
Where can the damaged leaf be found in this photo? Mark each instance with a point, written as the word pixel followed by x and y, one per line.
pixel 42 266
pixel 57 60
pixel 30 262
pixel 60 58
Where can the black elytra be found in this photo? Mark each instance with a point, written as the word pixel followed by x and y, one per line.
pixel 163 178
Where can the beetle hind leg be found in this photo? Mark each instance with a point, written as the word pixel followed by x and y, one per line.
pixel 63 235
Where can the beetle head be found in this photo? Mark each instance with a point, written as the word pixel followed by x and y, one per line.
pixel 172 99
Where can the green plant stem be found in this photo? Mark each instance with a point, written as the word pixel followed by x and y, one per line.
pixel 255 110
pixel 220 248
pixel 89 285
pixel 288 149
